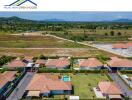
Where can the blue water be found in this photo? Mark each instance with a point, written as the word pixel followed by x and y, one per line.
pixel 66 78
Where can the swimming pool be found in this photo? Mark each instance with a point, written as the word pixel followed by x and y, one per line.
pixel 66 78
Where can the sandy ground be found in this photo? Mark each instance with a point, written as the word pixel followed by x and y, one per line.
pixel 108 47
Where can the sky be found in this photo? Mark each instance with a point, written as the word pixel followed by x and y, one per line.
pixel 70 16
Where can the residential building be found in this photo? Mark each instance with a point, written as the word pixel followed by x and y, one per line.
pixel 47 84
pixel 17 63
pixel 5 80
pixel 120 64
pixel 122 45
pixel 109 90
pixel 90 64
pixel 60 63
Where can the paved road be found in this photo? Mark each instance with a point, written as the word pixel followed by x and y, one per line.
pixel 20 89
pixel 124 88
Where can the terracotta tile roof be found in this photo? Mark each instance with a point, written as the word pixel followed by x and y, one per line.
pixel 129 44
pixel 16 64
pixel 130 78
pixel 6 76
pixel 58 63
pixel 91 62
pixel 119 46
pixel 122 45
pixel 47 82
pixel 40 61
pixel 118 62
pixel 109 88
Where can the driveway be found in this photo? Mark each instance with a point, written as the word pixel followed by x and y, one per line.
pixel 124 88
pixel 20 89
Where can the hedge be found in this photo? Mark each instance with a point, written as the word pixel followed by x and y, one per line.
pixel 47 70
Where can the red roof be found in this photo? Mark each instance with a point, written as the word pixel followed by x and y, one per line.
pixel 91 62
pixel 109 88
pixel 129 44
pixel 58 63
pixel 119 46
pixel 16 63
pixel 122 45
pixel 118 62
pixel 47 82
pixel 6 77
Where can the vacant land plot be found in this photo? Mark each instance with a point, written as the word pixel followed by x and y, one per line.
pixel 78 52
pixel 36 42
pixel 83 84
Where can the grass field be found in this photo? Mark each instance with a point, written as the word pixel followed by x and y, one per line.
pixel 83 84
pixel 36 42
pixel 97 35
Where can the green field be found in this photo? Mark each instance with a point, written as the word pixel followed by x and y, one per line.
pixel 100 35
pixel 83 84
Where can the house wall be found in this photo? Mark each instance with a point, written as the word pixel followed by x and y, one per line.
pixel 121 68
pixel 45 94
pixel 58 92
pixel 51 66
pixel 5 87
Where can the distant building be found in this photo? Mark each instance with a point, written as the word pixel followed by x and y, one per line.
pixel 120 64
pixel 90 64
pixel 109 90
pixel 60 63
pixel 47 84
pixel 122 45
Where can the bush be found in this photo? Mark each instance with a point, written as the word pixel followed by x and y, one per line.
pixel 47 70
pixel 5 59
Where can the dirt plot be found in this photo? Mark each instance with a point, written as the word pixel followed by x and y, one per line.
pixel 78 52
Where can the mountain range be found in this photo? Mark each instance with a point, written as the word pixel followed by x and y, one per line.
pixel 17 19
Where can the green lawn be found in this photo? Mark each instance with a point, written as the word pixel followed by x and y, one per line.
pixel 83 84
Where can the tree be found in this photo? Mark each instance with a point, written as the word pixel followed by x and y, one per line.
pixel 106 34
pixel 119 33
pixel 112 33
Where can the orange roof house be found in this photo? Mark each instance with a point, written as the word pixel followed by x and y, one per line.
pixel 129 44
pixel 17 63
pixel 122 45
pixel 119 63
pixel 58 63
pixel 119 46
pixel 48 84
pixel 109 88
pixel 90 63
pixel 6 77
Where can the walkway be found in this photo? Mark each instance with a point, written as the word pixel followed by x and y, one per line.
pixel 20 89
pixel 124 88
